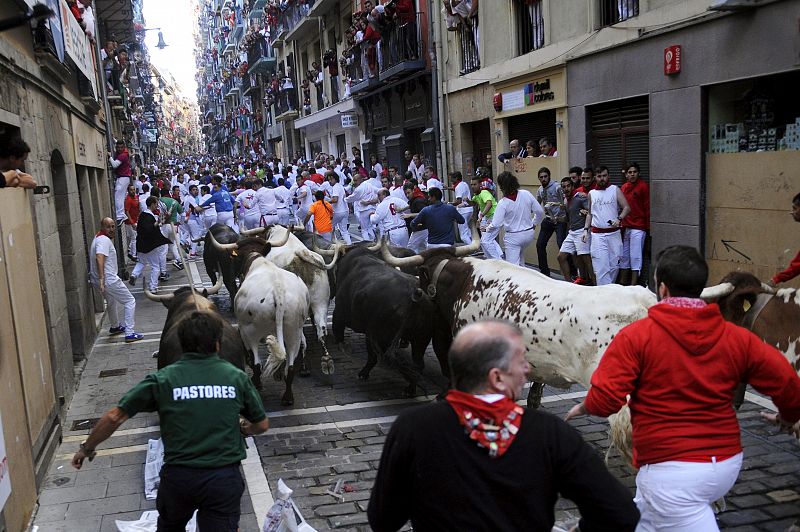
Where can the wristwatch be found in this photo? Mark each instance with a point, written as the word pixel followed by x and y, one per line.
pixel 89 453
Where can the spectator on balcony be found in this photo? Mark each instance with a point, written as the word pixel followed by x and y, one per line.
pixel 318 78
pixel 531 149
pixel 546 148
pixel 371 37
pixel 13 153
pixel 107 56
pixel 306 88
pixel 329 61
pixel 514 152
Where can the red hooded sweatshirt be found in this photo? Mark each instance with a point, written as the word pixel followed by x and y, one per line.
pixel 681 367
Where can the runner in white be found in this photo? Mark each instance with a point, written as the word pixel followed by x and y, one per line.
pixel 362 198
pixel 267 203
pixel 194 225
pixel 209 215
pixel 513 214
pixel 284 199
pixel 387 216
pixel 250 215
pixel 341 212
pixel 463 195
pixel 607 207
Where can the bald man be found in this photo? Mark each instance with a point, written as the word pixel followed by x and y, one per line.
pixel 103 274
pixel 480 461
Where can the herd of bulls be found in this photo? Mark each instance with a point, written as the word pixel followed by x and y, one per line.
pixel 278 277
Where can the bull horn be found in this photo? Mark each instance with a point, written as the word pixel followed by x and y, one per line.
pixel 297 228
pixel 400 262
pixel 472 247
pixel 251 232
pixel 717 291
pixel 335 257
pixel 317 249
pixel 198 240
pixel 767 289
pixel 280 241
pixel 222 247
pixel 375 247
pixel 214 289
pixel 157 297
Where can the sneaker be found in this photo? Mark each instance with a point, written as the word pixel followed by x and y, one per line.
pixel 581 281
pixel 133 337
pixel 178 264
pixel 132 280
pixel 192 255
pixel 132 258
pixel 163 277
pixel 113 331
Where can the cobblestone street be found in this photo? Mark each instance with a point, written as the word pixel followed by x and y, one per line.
pixel 335 431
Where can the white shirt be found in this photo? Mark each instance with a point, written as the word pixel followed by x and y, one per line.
pixel 398 192
pixel 378 167
pixel 104 246
pixel 417 171
pixel 283 197
pixel 604 206
pixel 142 201
pixel 515 216
pixel 247 199
pixel 363 192
pixel 266 201
pixel 434 183
pixel 337 191
pixel 308 199
pixel 211 208
pixel 388 213
pixel 189 201
pixel 462 191
pixel 375 182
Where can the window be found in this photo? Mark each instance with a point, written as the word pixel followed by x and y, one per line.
pixel 530 25
pixel 468 39
pixel 619 134
pixel 613 11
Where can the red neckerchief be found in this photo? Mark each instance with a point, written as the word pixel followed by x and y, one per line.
pixel 512 197
pixel 492 425
pixel 683 302
pixel 417 193
pixel 100 233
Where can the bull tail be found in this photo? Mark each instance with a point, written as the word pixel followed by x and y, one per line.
pixel 276 344
pixel 620 435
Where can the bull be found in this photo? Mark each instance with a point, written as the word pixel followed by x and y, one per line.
pixel 388 307
pixel 217 263
pixel 271 304
pixel 566 327
pixel 180 304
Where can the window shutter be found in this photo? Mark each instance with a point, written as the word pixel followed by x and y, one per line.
pixel 619 134
pixel 532 126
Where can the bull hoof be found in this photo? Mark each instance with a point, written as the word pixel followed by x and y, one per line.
pixel 256 380
pixel 363 375
pixel 535 395
pixel 287 400
pixel 326 365
pixel 155 354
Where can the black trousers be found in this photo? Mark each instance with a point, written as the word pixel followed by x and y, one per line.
pixel 546 230
pixel 215 494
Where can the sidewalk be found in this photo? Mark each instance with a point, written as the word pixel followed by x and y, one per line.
pixel 112 486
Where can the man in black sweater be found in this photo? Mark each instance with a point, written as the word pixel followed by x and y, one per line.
pixel 478 461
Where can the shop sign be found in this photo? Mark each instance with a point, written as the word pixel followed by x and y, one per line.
pixel 349 121
pixel 77 45
pixel 528 95
pixel 5 478
pixel 150 135
pixel 672 60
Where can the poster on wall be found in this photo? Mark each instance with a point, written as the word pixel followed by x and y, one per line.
pixel 513 100
pixel 77 46
pixel 5 478
pixel 56 28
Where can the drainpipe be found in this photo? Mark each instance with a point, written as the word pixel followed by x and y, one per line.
pixel 439 120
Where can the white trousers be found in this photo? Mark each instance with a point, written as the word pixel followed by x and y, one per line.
pixel 632 248
pixel 227 219
pixel 434 246
pixel 367 232
pixel 515 244
pixel 463 229
pixel 208 221
pixel 166 230
pixel 418 241
pixel 491 249
pixel 251 220
pixel 153 260
pixel 120 191
pixel 121 305
pixel 606 252
pixel 301 215
pixel 677 496
pixel 130 239
pixel 283 215
pixel 399 237
pixel 340 221
pixel 195 230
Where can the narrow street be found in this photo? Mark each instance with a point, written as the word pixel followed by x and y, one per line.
pixel 334 432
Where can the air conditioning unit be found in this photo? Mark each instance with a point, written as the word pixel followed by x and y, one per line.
pixel 735 5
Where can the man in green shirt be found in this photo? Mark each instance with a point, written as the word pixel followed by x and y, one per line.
pixel 486 207
pixel 199 400
pixel 170 209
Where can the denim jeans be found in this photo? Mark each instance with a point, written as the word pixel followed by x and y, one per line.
pixel 546 230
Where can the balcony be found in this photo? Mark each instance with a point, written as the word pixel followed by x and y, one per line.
pixel 469 49
pixel 260 57
pixel 403 51
pixel 614 11
pixel 298 23
pixel 286 105
pixel 363 68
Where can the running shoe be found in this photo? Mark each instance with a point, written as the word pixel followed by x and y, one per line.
pixel 133 337
pixel 132 280
pixel 163 277
pixel 178 264
pixel 113 331
pixel 581 281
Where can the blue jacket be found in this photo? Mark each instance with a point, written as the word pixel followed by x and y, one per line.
pixel 221 200
pixel 438 219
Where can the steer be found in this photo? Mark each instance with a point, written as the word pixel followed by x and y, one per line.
pixel 272 303
pixel 220 263
pixel 566 327
pixel 388 307
pixel 180 305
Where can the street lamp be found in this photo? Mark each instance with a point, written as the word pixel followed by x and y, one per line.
pixel 161 44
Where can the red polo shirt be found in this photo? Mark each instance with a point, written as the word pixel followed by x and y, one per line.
pixel 132 206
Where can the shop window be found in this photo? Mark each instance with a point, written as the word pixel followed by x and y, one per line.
pixel 530 25
pixel 619 133
pixel 754 115
pixel 613 11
